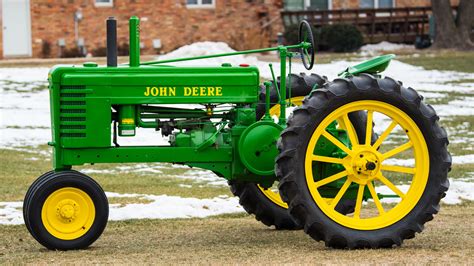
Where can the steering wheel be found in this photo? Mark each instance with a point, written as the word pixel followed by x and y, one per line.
pixel 307 53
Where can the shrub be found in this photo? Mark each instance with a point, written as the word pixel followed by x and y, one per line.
pixel 337 38
pixel 72 52
pixel 341 38
pixel 123 49
pixel 45 49
pixel 99 52
pixel 291 34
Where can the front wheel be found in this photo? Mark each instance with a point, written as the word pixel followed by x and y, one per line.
pixel 397 181
pixel 65 210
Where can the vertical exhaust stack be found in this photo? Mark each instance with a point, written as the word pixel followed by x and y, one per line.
pixel 111 42
pixel 134 25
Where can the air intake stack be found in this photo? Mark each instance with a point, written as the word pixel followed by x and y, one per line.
pixel 111 42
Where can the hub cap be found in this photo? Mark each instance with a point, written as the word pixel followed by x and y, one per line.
pixel 68 213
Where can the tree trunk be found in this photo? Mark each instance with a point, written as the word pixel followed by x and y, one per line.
pixel 453 32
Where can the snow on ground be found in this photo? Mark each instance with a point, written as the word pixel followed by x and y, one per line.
pixel 170 207
pixel 158 207
pixel 384 47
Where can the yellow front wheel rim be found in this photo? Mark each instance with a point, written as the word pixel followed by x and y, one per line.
pixel 273 194
pixel 68 213
pixel 364 164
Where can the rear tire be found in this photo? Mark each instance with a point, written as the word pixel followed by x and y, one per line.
pixel 294 187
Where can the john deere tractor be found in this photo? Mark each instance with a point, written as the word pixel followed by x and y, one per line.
pixel 358 162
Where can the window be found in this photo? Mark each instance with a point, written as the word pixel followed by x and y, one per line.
pixel 104 2
pixel 308 4
pixel 317 4
pixel 200 3
pixel 376 3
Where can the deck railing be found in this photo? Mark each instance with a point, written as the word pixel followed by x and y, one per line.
pixel 383 24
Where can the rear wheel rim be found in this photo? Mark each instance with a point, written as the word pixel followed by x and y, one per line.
pixel 360 155
pixel 68 213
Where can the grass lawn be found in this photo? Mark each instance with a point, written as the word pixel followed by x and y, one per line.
pixel 241 239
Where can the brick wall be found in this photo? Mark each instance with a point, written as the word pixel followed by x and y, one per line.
pixel 236 22
pixel 1 33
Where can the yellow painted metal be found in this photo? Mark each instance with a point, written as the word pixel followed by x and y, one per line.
pixel 272 194
pixel 364 164
pixel 68 213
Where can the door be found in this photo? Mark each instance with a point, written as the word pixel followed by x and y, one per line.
pixel 16 28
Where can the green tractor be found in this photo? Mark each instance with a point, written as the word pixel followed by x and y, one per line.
pixel 323 168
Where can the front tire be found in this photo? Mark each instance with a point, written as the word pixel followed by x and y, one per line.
pixel 65 210
pixel 363 164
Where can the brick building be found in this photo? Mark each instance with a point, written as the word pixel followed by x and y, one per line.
pixel 45 26
pixel 48 28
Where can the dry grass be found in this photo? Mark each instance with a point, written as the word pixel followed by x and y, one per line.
pixel 241 239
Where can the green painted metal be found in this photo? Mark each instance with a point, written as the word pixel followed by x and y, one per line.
pixel 91 105
pixel 134 45
pixel 257 147
pixel 372 66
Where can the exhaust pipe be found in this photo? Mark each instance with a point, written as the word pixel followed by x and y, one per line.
pixel 111 42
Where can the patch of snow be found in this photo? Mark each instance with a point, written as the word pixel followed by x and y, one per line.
pixel 204 176
pixel 386 46
pixel 27 74
pixel 463 159
pixel 458 191
pixel 459 159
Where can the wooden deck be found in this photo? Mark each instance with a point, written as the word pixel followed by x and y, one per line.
pixel 400 25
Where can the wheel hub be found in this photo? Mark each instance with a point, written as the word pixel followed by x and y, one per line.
pixel 365 165
pixel 67 210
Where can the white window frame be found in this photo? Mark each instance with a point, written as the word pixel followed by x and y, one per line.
pixel 376 3
pixel 201 5
pixel 307 4
pixel 102 4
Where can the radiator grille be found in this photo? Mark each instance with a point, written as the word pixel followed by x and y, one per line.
pixel 72 122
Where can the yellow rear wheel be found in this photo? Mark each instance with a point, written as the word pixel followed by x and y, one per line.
pixel 396 180
pixel 364 164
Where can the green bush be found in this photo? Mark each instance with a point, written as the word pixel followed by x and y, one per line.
pixel 99 52
pixel 341 38
pixel 337 38
pixel 291 34
pixel 72 52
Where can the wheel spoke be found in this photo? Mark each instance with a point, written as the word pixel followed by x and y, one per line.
pixel 330 179
pixel 397 150
pixel 336 142
pixel 390 185
pixel 359 199
pixel 350 130
pixel 385 134
pixel 341 193
pixel 368 130
pixel 308 57
pixel 399 169
pixel 375 198
pixel 326 159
